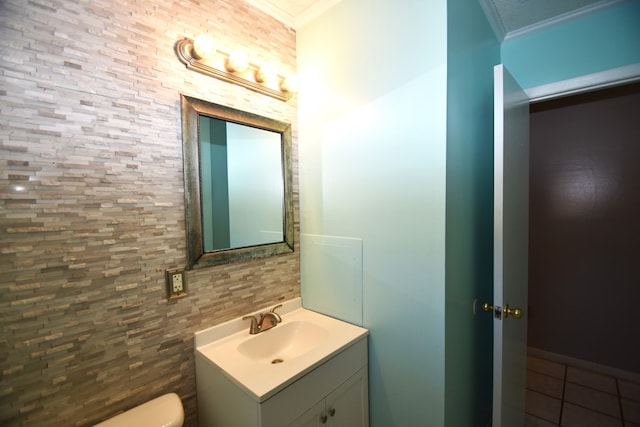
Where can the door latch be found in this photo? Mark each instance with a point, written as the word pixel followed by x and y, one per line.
pixel 497 310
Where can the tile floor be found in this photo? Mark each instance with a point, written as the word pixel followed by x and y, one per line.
pixel 561 395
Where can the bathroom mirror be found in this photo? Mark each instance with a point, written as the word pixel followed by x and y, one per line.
pixel 238 178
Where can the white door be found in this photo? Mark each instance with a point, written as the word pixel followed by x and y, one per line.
pixel 511 227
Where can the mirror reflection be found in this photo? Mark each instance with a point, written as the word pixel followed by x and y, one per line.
pixel 242 185
pixel 238 190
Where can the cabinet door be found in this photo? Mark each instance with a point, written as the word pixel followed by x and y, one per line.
pixel 312 418
pixel 348 405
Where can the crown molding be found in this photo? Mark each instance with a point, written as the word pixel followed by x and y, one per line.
pixel 270 9
pixel 577 13
pixel 495 21
pixel 315 9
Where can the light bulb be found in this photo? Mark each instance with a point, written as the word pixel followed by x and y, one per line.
pixel 237 61
pixel 204 46
pixel 290 84
pixel 266 73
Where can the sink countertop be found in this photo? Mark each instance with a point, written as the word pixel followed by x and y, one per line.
pixel 218 345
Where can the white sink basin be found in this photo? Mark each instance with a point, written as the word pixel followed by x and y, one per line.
pixel 284 342
pixel 264 363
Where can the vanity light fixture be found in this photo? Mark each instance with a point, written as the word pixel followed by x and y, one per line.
pixel 200 54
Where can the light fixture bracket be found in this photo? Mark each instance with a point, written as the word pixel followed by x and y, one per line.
pixel 184 50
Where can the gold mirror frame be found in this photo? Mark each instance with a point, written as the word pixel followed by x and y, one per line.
pixel 192 108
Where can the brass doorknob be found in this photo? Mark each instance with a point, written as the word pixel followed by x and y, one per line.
pixel 515 312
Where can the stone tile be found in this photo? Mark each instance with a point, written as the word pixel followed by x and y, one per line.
pixel 91 135
pixel 577 416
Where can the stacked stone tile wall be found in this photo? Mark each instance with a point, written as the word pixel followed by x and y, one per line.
pixel 92 202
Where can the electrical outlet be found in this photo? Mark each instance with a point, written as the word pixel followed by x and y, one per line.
pixel 176 283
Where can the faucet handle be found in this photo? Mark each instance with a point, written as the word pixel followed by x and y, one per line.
pixel 273 310
pixel 253 329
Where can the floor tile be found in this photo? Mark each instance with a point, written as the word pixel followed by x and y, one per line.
pixel 631 411
pixel 545 384
pixel 629 390
pixel 543 406
pixel 546 367
pixel 592 399
pixel 577 416
pixel 532 421
pixel 592 379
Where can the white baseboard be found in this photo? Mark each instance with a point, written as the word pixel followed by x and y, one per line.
pixel 584 364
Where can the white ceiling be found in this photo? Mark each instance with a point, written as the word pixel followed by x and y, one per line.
pixel 507 17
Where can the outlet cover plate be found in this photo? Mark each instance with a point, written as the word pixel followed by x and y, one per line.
pixel 176 283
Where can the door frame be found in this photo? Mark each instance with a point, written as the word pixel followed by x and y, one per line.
pixel 585 83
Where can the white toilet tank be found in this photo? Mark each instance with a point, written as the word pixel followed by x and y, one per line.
pixel 163 411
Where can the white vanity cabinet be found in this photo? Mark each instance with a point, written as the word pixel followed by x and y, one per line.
pixel 338 386
pixel 346 406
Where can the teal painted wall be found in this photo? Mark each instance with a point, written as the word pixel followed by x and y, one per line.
pixel 603 40
pixel 215 183
pixel 372 138
pixel 395 132
pixel 473 50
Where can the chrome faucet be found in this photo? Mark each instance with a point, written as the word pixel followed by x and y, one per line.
pixel 267 321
